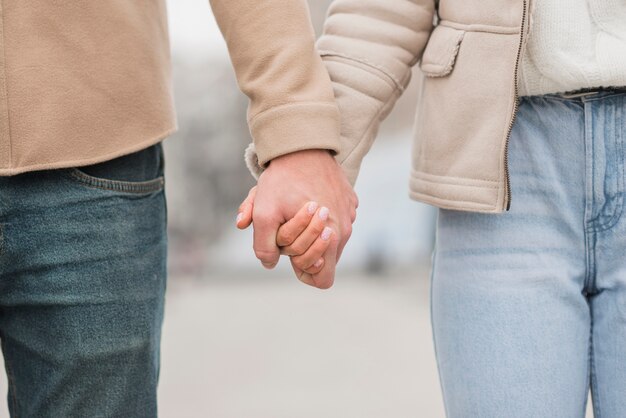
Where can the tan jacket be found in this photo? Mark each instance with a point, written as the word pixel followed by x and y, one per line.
pixel 470 60
pixel 85 81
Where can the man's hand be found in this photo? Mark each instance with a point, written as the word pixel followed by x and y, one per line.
pixel 284 187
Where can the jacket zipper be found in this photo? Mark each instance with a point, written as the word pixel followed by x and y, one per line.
pixel 507 183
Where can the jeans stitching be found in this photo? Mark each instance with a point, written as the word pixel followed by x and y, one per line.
pixel 588 374
pixel 150 186
pixel 590 261
pixel 594 380
pixel 586 99
pixel 588 230
pixel 2 249
pixel 619 162
pixel 11 378
pixel 432 324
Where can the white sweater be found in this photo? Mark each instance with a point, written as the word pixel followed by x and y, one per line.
pixel 574 44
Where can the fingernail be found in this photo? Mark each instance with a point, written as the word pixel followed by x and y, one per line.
pixel 312 208
pixel 324 213
pixel 269 266
pixel 239 217
pixel 318 263
pixel 326 233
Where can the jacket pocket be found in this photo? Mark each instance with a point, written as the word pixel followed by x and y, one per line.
pixel 441 51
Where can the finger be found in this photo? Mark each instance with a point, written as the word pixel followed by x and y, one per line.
pixel 265 248
pixel 347 233
pixel 315 251
pixel 310 234
pixel 290 230
pixel 244 215
pixel 326 277
pixel 316 267
pixel 304 277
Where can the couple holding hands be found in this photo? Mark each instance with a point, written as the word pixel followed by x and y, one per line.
pixel 519 141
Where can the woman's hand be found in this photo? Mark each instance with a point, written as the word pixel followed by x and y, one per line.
pixel 304 238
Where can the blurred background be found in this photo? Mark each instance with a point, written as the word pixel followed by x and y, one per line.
pixel 242 342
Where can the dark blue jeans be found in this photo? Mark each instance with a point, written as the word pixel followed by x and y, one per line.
pixel 82 283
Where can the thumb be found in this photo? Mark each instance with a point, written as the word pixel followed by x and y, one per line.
pixel 244 214
pixel 265 248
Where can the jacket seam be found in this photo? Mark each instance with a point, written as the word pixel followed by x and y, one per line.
pixel 383 69
pixel 452 204
pixel 476 27
pixel 370 126
pixel 421 175
pixel 509 120
pixel 380 111
pixel 513 105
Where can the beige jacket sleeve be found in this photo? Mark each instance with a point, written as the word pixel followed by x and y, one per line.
pixel 272 48
pixel 369 47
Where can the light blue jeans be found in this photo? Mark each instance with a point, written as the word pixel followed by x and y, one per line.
pixel 528 307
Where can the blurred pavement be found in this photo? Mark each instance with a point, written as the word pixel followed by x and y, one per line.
pixel 270 347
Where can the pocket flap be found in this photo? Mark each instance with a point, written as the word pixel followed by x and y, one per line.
pixel 441 51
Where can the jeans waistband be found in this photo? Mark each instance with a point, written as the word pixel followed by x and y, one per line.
pixel 590 93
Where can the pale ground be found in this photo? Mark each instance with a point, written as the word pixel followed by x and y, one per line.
pixel 272 348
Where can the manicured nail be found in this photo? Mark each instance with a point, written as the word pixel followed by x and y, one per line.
pixel 324 213
pixel 318 263
pixel 326 233
pixel 312 208
pixel 239 217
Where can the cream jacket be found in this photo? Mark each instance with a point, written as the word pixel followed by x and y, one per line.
pixel 469 52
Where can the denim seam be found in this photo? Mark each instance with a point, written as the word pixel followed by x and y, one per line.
pixel 588 230
pixel 432 325
pixel 594 98
pixel 589 360
pixel 11 378
pixel 594 379
pixel 619 162
pixel 617 214
pixel 589 262
pixel 150 186
pixel 581 100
